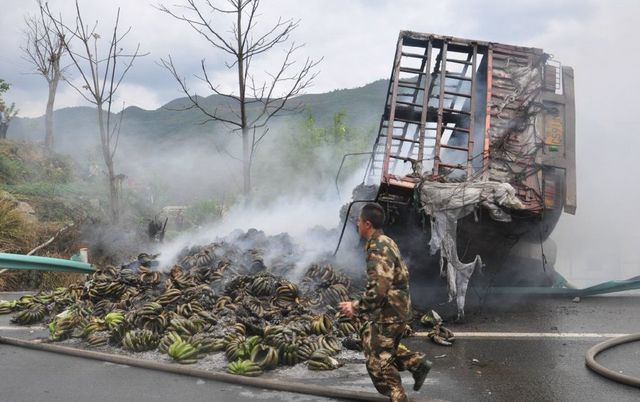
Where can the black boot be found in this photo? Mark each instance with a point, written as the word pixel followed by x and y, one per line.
pixel 420 374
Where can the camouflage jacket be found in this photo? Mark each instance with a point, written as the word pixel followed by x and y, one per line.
pixel 386 298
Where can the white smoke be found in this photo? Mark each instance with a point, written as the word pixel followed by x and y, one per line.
pixel 312 223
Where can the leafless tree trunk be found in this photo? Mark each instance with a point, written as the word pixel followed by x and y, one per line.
pixel 255 103
pixel 44 48
pixel 100 77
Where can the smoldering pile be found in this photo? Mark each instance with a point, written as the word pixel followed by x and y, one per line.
pixel 218 298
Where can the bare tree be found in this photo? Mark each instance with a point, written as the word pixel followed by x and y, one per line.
pixel 43 49
pixel 101 71
pixel 256 101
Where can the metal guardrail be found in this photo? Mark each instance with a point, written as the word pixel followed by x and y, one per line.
pixel 28 262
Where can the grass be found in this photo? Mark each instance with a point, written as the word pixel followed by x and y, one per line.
pixel 16 232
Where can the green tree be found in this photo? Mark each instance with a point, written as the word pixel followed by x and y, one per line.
pixel 8 113
pixel 317 151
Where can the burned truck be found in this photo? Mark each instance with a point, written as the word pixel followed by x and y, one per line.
pixel 476 148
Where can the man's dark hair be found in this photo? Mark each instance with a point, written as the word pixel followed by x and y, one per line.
pixel 373 213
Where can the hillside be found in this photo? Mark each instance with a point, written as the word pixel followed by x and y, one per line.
pixel 76 129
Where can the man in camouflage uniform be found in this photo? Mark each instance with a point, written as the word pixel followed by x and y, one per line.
pixel 386 308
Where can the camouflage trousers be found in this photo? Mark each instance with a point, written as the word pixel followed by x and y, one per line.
pixel 385 357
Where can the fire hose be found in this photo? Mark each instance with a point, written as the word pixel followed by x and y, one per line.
pixel 590 360
pixel 277 385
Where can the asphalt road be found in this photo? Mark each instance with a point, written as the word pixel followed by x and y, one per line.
pixel 530 349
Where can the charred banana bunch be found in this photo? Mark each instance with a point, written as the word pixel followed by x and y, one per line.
pixel 140 340
pixel 201 294
pixel 169 296
pixel 204 258
pixel 241 348
pixel 347 326
pixel 321 360
pixel 286 294
pixel 263 285
pixel 94 325
pixel 438 333
pixel 224 302
pixel 185 327
pixel 265 356
pixel 204 343
pixel 103 307
pixel 288 354
pixel 321 325
pixel 98 339
pixel 306 347
pixel 329 343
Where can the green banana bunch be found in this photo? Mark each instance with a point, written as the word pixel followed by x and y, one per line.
pixel 7 306
pixel 31 315
pixel 62 325
pixel 167 340
pixel 114 319
pixel 321 360
pixel 43 298
pixel 183 352
pixel 140 340
pixel 244 367
pixel 24 302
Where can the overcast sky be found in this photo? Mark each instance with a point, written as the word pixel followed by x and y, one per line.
pixel 355 37
pixel 357 40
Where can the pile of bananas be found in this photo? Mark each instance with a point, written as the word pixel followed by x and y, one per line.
pixel 217 298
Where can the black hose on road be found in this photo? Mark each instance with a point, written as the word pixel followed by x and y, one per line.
pixel 288 386
pixel 590 360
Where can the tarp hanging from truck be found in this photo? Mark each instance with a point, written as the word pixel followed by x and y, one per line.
pixel 445 203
